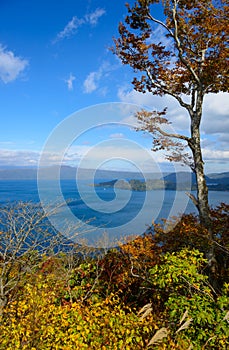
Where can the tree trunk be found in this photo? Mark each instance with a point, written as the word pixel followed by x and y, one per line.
pixel 3 303
pixel 202 189
pixel 202 202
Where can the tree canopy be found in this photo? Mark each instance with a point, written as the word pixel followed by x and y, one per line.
pixel 193 56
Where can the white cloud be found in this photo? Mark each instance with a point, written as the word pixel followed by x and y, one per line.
pixel 91 83
pixel 69 30
pixel 216 160
pixel 75 23
pixel 10 65
pixel 69 81
pixel 210 154
pixel 72 156
pixel 10 157
pixel 92 18
pixel 178 117
pixel 214 126
pixel 107 155
pixel 76 151
pixel 216 114
pixel 215 119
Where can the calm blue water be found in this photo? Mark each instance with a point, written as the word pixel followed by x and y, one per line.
pixel 120 211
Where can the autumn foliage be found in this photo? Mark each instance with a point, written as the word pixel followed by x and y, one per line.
pixel 151 292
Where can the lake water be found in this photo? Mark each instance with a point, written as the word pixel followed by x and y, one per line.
pixel 114 211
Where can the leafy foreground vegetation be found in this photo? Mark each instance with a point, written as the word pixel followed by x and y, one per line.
pixel 151 292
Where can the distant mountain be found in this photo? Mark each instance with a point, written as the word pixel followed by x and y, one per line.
pixel 216 182
pixel 175 181
pixel 181 177
pixel 69 173
pixel 18 174
pixel 219 176
pixel 180 180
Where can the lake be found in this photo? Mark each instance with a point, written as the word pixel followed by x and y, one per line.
pixel 94 211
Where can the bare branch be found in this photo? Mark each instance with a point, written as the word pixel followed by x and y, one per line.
pixel 176 136
pixel 193 198
pixel 26 238
pixel 160 23
pixel 180 50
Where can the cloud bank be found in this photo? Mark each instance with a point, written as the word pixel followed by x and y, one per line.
pixel 214 126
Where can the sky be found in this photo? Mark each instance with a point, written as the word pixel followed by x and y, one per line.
pixel 55 62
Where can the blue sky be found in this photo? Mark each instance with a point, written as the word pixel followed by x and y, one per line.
pixel 54 61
